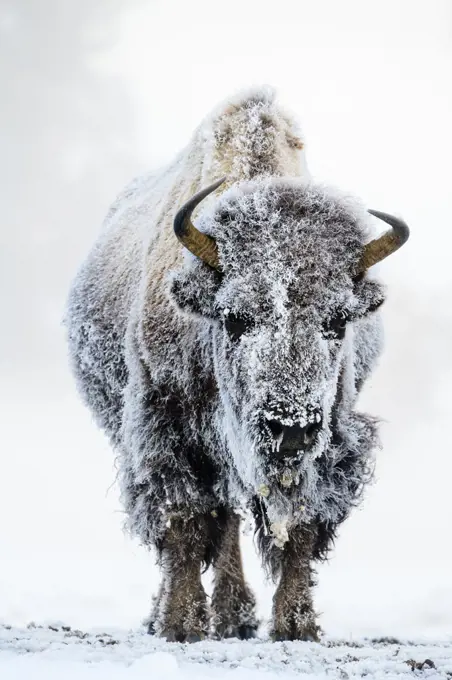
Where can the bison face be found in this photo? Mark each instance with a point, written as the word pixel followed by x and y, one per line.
pixel 286 317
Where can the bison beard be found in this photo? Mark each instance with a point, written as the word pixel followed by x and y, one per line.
pixel 196 374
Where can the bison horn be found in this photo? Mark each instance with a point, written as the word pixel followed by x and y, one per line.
pixel 388 243
pixel 201 245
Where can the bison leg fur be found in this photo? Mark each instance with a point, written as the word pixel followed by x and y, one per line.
pixel 233 603
pixel 181 612
pixel 293 613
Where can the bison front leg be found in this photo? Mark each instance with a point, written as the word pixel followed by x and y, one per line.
pixel 182 614
pixel 233 603
pixel 293 613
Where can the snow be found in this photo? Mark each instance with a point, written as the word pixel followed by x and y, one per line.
pixel 56 651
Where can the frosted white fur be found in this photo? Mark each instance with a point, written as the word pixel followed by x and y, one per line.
pixel 133 351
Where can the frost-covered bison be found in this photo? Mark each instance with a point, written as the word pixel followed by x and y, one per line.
pixel 226 372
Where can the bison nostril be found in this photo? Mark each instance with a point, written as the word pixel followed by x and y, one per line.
pixel 289 440
pixel 276 428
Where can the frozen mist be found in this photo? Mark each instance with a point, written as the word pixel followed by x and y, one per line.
pixel 95 96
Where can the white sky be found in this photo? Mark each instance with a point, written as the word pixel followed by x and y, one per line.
pixel 92 94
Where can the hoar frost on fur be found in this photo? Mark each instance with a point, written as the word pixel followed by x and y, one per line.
pixel 183 404
pixel 280 533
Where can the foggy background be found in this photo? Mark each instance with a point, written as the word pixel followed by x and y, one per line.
pixel 94 92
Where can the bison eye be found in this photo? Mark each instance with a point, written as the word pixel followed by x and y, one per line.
pixel 236 325
pixel 334 328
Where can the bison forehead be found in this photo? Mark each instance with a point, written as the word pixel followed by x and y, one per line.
pixel 289 228
pixel 270 298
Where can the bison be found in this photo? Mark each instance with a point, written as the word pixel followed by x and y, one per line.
pixel 224 362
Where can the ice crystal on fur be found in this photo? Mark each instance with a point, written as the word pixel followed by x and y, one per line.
pixel 186 404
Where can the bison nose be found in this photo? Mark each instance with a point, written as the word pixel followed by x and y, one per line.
pixel 289 439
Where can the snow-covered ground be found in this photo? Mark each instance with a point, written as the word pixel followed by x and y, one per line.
pixel 56 651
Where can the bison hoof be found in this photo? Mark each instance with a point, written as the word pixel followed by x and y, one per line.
pixel 310 633
pixel 244 632
pixel 175 636
pixel 179 636
pixel 288 637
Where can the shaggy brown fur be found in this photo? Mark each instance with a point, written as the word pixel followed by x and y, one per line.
pixel 233 602
pixel 293 613
pixel 182 603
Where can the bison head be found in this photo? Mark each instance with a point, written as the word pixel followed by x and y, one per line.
pixel 279 278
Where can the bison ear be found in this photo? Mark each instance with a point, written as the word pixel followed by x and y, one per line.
pixel 370 294
pixel 194 290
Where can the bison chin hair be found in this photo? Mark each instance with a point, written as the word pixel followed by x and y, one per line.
pixel 262 470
